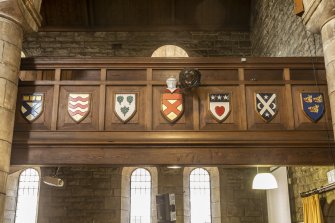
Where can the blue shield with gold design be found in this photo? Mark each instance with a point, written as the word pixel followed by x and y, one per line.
pixel 32 106
pixel 313 105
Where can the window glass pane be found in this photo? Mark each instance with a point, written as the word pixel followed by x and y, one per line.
pixel 26 208
pixel 140 187
pixel 200 196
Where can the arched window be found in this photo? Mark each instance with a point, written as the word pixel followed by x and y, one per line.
pixel 169 51
pixel 27 198
pixel 200 196
pixel 140 196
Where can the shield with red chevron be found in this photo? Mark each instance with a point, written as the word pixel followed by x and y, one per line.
pixel 172 106
pixel 78 106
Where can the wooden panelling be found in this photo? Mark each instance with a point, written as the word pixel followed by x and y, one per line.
pixel 263 75
pixel 137 122
pixel 65 122
pixel 300 118
pixel 170 156
pixel 80 75
pixel 255 121
pixel 126 75
pixel 219 75
pixel 37 75
pixel 162 75
pixel 43 122
pixel 308 74
pixel 207 122
pixel 196 138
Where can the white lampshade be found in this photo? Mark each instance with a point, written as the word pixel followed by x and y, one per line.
pixel 264 181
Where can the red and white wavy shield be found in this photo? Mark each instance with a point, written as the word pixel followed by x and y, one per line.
pixel 78 106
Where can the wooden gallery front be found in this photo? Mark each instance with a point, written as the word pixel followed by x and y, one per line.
pixel 160 111
pixel 94 123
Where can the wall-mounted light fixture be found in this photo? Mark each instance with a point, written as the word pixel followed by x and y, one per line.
pixel 264 181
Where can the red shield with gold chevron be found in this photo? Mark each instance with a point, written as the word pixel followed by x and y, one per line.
pixel 172 106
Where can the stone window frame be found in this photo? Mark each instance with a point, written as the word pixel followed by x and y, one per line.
pixel 16 177
pixel 214 176
pixel 125 192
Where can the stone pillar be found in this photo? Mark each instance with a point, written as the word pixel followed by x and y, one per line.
pixel 16 17
pixel 319 17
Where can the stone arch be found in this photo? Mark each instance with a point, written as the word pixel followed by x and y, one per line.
pixel 215 193
pixel 125 192
pixel 12 193
pixel 169 51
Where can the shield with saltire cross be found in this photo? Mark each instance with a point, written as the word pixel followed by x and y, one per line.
pixel 32 106
pixel 266 105
pixel 172 107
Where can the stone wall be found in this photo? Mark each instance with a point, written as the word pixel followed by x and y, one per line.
pixel 94 195
pixel 239 202
pixel 276 31
pixel 11 196
pixel 134 44
pixel 307 178
pixel 90 195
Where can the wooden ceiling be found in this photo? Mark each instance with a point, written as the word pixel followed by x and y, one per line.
pixel 145 15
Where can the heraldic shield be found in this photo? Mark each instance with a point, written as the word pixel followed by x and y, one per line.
pixel 32 106
pixel 266 105
pixel 219 106
pixel 78 106
pixel 125 106
pixel 313 105
pixel 172 106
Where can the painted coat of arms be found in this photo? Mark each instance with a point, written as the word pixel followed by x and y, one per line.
pixel 172 107
pixel 266 105
pixel 32 106
pixel 78 106
pixel 125 106
pixel 219 106
pixel 312 105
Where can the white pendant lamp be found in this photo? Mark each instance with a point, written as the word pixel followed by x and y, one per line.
pixel 264 181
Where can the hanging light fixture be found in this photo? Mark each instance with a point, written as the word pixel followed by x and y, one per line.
pixel 264 181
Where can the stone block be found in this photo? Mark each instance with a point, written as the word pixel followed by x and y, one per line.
pixel 112 203
pixel 235 211
pixel 9 100
pixel 7 124
pixel 10 32
pixel 11 54
pixel 5 150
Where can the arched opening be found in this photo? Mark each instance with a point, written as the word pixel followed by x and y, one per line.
pixel 201 192
pixel 200 196
pixel 169 51
pixel 140 196
pixel 27 196
pixel 132 178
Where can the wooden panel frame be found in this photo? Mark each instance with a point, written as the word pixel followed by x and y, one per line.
pixel 255 122
pixel 43 122
pixel 91 122
pixel 232 122
pixel 137 122
pixel 302 122
pixel 185 122
pixel 244 142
